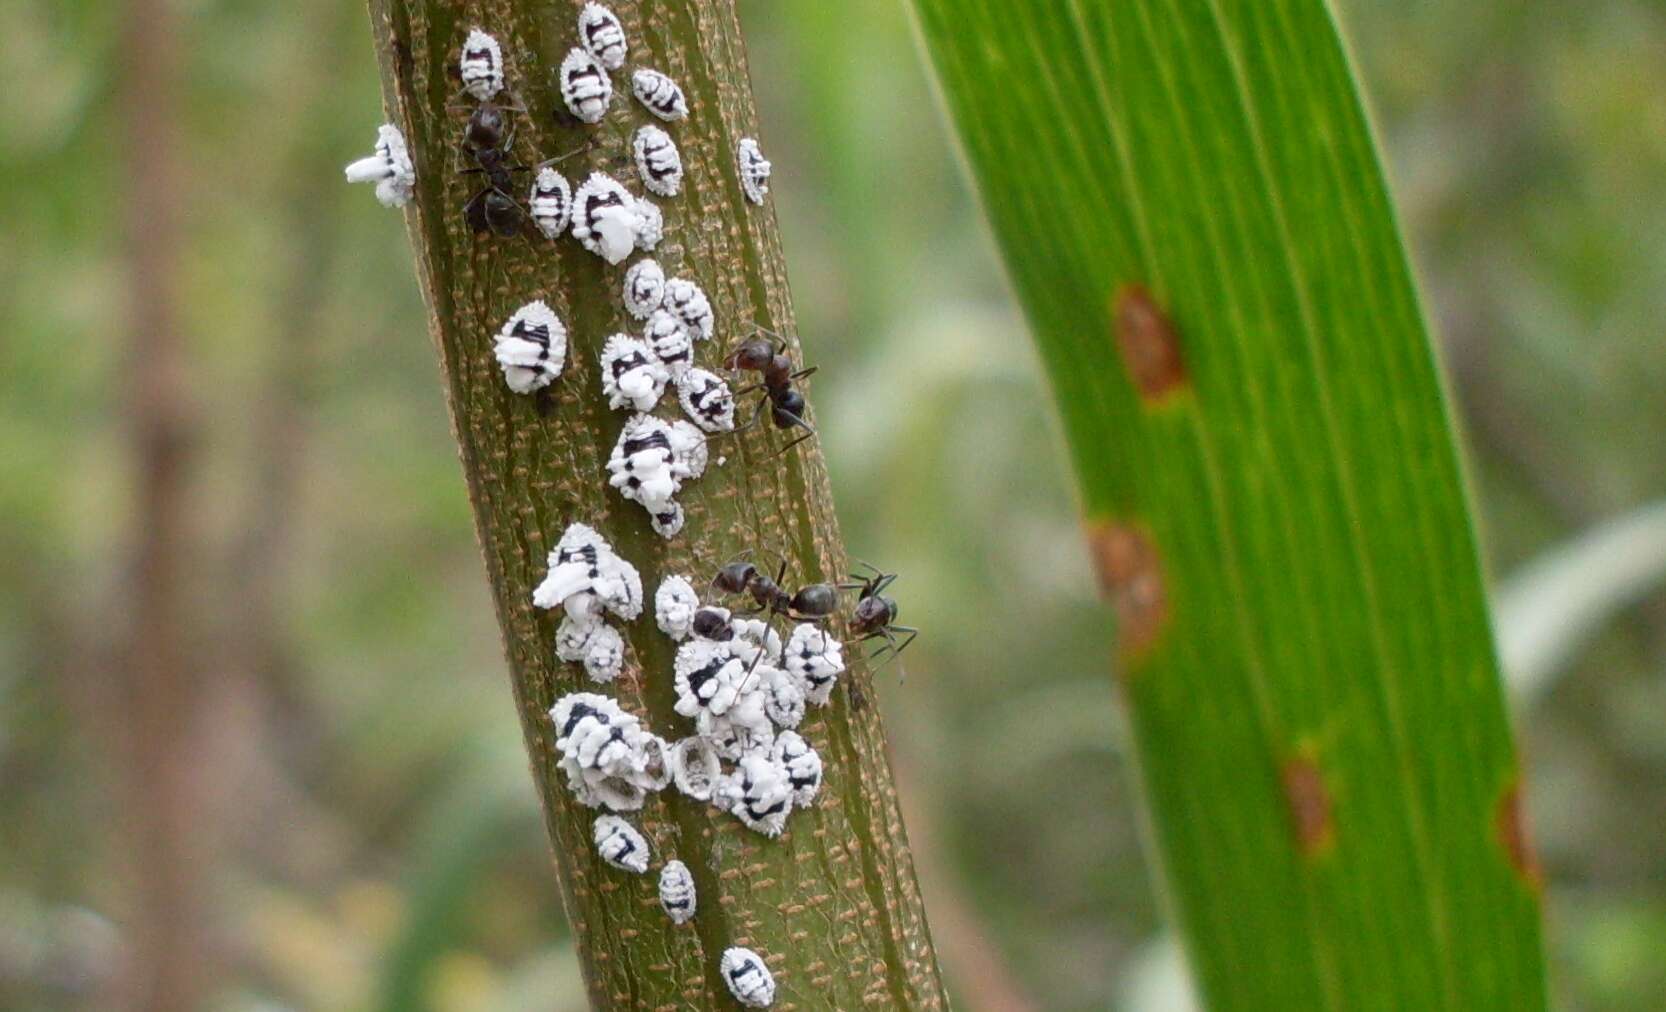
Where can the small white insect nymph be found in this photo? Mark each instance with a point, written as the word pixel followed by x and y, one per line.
pixel 707 400
pixel 389 168
pixel 760 794
pixel 606 218
pixel 816 657
pixel 688 301
pixel 631 375
pixel 551 203
pixel 658 161
pixel 620 845
pixel 670 342
pixel 601 34
pixel 754 170
pixel 676 892
pixel 748 978
pixel 674 606
pixel 644 288
pixel 532 348
pixel 803 766
pixel 659 94
pixel 585 86
pixel 481 65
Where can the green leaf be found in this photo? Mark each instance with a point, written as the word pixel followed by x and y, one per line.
pixel 1271 491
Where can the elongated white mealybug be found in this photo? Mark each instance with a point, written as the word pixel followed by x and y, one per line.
pixel 602 36
pixel 748 978
pixel 650 224
pixel 604 653
pixel 606 218
pixel 688 301
pixel 659 94
pixel 389 168
pixel 585 86
pixel 760 794
pixel 754 170
pixel 658 161
pixel 644 288
pixel 587 577
pixel 816 657
pixel 620 845
pixel 674 606
pixel 669 341
pixel 707 400
pixel 481 65
pixel 551 203
pixel 532 348
pixel 803 766
pixel 676 892
pixel 609 759
pixel 631 375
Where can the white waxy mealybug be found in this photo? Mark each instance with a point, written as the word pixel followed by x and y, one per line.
pixel 803 766
pixel 644 465
pixel 606 218
pixel 668 522
pixel 754 170
pixel 707 400
pixel 748 978
pixel 650 224
pixel 688 448
pixel 586 576
pixel 631 375
pixel 481 65
pixel 659 94
pixel 551 203
pixel 604 653
pixel 674 606
pixel 658 161
pixel 609 760
pixel 389 168
pixel 620 845
pixel 669 341
pixel 585 86
pixel 759 793
pixel 676 892
pixel 601 34
pixel 817 658
pixel 707 676
pixel 532 348
pixel 688 302
pixel 784 700
pixel 644 288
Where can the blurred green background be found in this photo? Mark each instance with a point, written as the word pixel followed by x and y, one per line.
pixel 368 832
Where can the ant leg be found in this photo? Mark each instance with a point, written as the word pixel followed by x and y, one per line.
pixel 885 580
pixel 474 212
pixel 800 374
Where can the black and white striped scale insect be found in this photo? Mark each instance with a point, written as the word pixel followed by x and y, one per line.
pixel 481 66
pixel 532 347
pixel 657 161
pixel 620 845
pixel 631 374
pixel 551 203
pixel 676 892
pixel 748 977
pixel 659 94
pixel 706 399
pixel 584 85
pixel 670 343
pixel 754 170
pixel 688 301
pixel 644 289
pixel 602 36
pixel 606 218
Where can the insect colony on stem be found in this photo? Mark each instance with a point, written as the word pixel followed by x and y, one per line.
pixel 744 684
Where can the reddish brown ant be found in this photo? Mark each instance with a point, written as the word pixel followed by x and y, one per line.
pixel 768 358
pixel 812 603
pixel 875 615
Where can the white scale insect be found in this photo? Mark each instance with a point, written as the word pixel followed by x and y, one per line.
pixel 551 204
pixel 532 348
pixel 803 766
pixel 817 658
pixel 650 223
pixel 620 845
pixel 585 86
pixel 760 793
pixel 707 400
pixel 606 218
pixel 676 892
pixel 631 375
pixel 688 301
pixel 602 36
pixel 644 288
pixel 748 977
pixel 657 161
pixel 481 66
pixel 754 170
pixel 659 94
pixel 674 606
pixel 595 644
pixel 670 343
pixel 389 168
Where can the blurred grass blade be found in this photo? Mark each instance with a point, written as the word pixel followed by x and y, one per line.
pixel 1188 200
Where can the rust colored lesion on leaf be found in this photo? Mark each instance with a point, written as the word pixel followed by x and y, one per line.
pixel 1131 577
pixel 1149 343
pixel 1312 813
pixel 1510 824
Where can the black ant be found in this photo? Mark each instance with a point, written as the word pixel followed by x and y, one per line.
pixel 768 358
pixel 487 139
pixel 875 615
pixel 812 603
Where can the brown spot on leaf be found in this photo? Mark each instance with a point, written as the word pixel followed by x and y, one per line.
pixel 1310 805
pixel 1149 343
pixel 1511 826
pixel 1131 577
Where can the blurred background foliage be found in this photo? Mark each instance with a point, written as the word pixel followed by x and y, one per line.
pixel 375 839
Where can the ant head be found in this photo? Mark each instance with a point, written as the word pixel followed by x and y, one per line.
pixel 711 624
pixel 816 600
pixel 735 577
pixel 754 354
pixel 871 613
pixel 486 126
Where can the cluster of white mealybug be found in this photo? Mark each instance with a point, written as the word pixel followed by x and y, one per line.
pixel 748 977
pixel 531 348
pixel 754 170
pixel 389 168
pixel 481 66
pixel 589 581
pixel 650 463
pixel 609 759
pixel 659 94
pixel 657 161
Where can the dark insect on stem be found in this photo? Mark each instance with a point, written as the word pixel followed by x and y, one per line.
pixel 768 358
pixel 811 603
pixel 875 615
pixel 487 139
